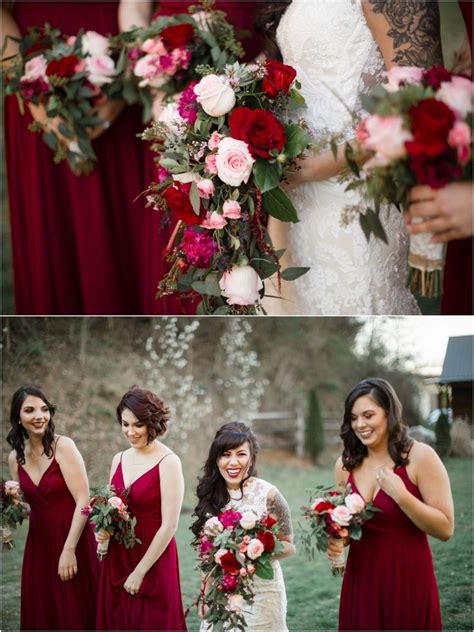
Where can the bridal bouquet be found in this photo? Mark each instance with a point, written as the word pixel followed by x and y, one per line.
pixel 108 511
pixel 223 150
pixel 419 131
pixel 14 510
pixel 335 514
pixel 165 55
pixel 69 76
pixel 234 547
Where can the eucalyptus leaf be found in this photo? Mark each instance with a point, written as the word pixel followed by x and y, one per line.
pixel 194 198
pixel 278 205
pixel 290 274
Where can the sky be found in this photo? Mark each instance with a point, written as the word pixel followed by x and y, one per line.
pixel 424 338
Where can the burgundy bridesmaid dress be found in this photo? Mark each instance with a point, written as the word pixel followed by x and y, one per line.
pixel 48 603
pixel 240 14
pixel 457 284
pixel 75 240
pixel 158 604
pixel 389 583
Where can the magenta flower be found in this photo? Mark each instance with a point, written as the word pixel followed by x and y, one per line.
pixel 229 582
pixel 33 88
pixel 230 519
pixel 198 247
pixel 187 104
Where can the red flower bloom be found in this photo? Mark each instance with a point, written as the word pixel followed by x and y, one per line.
pixel 268 522
pixel 64 67
pixel 230 518
pixel 230 563
pixel 324 505
pixel 267 539
pixel 229 583
pixel 334 493
pixel 436 173
pixel 177 198
pixel 177 36
pixel 260 129
pixel 431 122
pixel 435 75
pixel 279 78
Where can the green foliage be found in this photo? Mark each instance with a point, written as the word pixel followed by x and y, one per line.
pixel 314 428
pixel 278 205
pixel 443 435
pixel 267 174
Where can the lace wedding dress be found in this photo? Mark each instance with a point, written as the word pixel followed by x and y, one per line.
pixel 268 611
pixel 330 45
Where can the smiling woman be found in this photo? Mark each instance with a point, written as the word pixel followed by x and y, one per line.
pixel 59 561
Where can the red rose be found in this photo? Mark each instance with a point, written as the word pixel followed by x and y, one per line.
pixel 260 129
pixel 267 539
pixel 177 36
pixel 279 78
pixel 431 122
pixel 435 75
pixel 65 67
pixel 324 505
pixel 177 198
pixel 436 173
pixel 230 563
pixel 269 521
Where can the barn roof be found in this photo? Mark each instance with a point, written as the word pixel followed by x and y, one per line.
pixel 457 366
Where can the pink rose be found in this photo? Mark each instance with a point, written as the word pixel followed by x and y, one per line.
pixel 355 503
pixel 210 162
pixel 80 66
pixel 35 69
pixel 457 94
pixel 242 548
pixel 149 69
pixel 215 95
pixel 398 75
pixel 71 40
pixel 214 221
pixel 234 162
pixel 341 515
pixel 243 572
pixel 246 539
pixel 251 569
pixel 155 46
pixel 218 554
pixel 231 209
pixel 213 526
pixel 12 488
pixel 86 511
pixel 100 69
pixel 214 140
pixel 460 138
pixel 248 521
pixel 241 286
pixel 116 502
pixel 387 137
pixel 255 549
pixel 235 603
pixel 95 44
pixel 206 188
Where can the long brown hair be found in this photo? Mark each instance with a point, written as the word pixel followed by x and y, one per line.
pixel 267 19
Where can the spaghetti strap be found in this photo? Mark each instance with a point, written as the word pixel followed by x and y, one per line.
pixel 56 445
pixel 164 457
pixel 121 455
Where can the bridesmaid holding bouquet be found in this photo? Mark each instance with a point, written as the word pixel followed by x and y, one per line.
pixel 60 568
pixel 389 583
pixel 139 587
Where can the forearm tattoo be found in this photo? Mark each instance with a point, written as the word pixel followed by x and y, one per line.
pixel 414 27
pixel 278 508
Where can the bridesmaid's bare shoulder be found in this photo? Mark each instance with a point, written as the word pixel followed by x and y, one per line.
pixel 340 474
pixel 13 464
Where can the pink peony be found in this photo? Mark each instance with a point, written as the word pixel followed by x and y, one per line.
pixel 387 137
pixel 231 209
pixel 235 603
pixel 214 221
pixel 341 515
pixel 215 95
pixel 400 75
pixel 154 46
pixel 355 503
pixel 210 162
pixel 100 69
pixel 214 140
pixel 234 162
pixel 241 286
pixel 457 94
pixel 206 188
pixel 255 549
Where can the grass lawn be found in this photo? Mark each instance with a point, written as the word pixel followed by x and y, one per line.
pixel 313 594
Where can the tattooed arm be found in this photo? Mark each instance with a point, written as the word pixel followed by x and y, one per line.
pixel 408 33
pixel 278 508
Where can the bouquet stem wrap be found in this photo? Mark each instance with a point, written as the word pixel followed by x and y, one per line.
pixel 338 564
pixel 102 549
pixel 426 263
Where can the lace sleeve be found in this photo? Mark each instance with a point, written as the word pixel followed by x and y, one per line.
pixel 372 75
pixel 279 509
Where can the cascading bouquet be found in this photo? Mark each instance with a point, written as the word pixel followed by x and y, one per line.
pixel 13 509
pixel 234 547
pixel 165 55
pixel 335 514
pixel 223 151
pixel 109 511
pixel 419 131
pixel 70 76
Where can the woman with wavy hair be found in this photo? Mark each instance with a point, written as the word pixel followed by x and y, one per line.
pixel 60 569
pixel 230 482
pixel 139 587
pixel 389 583
pixel 340 50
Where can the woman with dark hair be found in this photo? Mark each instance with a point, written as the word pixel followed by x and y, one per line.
pixel 340 50
pixel 230 482
pixel 389 583
pixel 139 587
pixel 60 570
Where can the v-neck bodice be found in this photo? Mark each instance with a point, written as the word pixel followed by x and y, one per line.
pixel 144 494
pixel 50 492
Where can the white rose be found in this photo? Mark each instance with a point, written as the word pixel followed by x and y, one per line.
pixel 248 520
pixel 95 44
pixel 355 503
pixel 457 94
pixel 233 162
pixel 170 116
pixel 35 69
pixel 100 69
pixel 255 549
pixel 235 603
pixel 241 286
pixel 341 515
pixel 115 502
pixel 213 526
pixel 215 95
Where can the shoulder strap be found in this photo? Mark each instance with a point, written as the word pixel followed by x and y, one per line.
pixel 164 457
pixel 56 445
pixel 121 455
